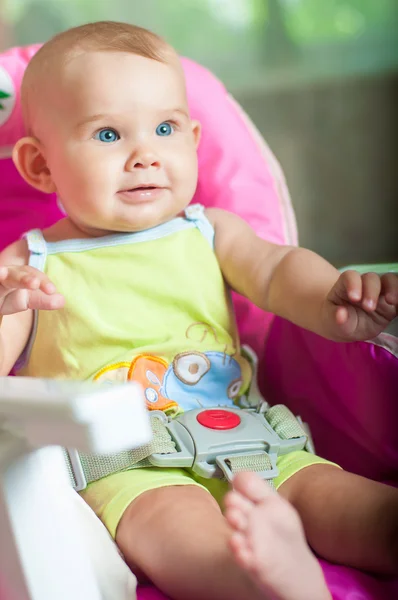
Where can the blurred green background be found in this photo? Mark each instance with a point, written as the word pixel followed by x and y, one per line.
pixel 318 77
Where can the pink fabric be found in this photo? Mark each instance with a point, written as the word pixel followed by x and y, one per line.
pixel 347 393
pixel 147 592
pixel 21 207
pixel 348 584
pixel 343 583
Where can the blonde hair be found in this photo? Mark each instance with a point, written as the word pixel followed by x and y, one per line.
pixel 102 36
pixel 105 36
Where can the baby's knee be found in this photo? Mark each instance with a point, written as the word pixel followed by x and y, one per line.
pixel 173 517
pixel 158 506
pixel 312 480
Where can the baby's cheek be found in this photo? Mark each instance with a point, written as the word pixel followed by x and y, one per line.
pixel 190 178
pixel 89 172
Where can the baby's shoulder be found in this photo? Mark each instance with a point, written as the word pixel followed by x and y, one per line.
pixel 218 216
pixel 224 220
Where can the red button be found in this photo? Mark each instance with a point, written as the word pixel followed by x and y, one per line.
pixel 218 419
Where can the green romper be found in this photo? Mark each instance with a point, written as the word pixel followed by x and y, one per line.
pixel 153 307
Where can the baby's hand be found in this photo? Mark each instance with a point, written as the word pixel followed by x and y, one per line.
pixel 24 287
pixel 359 307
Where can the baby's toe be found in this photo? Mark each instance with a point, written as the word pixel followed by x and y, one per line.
pixel 252 487
pixel 235 500
pixel 241 550
pixel 237 519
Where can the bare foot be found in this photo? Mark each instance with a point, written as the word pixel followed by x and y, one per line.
pixel 268 542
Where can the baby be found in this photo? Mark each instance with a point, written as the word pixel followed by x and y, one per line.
pixel 132 284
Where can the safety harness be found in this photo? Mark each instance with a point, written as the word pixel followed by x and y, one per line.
pixel 215 442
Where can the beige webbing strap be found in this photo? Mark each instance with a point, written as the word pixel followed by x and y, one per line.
pixel 96 466
pixel 251 462
pixel 284 423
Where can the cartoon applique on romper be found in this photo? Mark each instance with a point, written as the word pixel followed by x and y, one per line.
pixel 192 380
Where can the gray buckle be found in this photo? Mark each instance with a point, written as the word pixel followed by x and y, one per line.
pixel 206 450
pixel 75 467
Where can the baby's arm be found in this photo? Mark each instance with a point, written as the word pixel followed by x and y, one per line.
pixel 22 289
pixel 300 286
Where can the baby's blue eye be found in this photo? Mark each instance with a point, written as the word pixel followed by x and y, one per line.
pixel 107 135
pixel 164 129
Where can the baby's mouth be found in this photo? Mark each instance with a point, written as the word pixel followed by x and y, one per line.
pixel 141 193
pixel 142 188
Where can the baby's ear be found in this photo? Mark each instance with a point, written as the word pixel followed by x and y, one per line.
pixel 30 161
pixel 196 130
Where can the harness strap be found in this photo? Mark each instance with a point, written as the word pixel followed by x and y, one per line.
pixel 37 248
pixel 285 424
pixel 251 462
pixel 85 468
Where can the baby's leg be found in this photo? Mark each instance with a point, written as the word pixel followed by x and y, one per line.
pixel 347 519
pixel 179 539
pixel 269 542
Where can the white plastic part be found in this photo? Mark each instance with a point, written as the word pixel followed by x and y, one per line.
pixel 44 552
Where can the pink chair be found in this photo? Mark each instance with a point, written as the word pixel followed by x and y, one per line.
pixel 347 393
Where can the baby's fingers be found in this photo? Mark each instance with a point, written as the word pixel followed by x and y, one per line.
pixel 347 320
pixel 362 289
pixel 41 301
pixel 371 287
pixel 25 278
pixel 349 286
pixel 389 283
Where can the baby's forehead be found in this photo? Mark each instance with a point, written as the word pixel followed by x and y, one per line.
pixel 86 65
pixel 74 82
pixel 108 79
pixel 103 72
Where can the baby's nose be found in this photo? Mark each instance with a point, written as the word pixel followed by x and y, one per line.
pixel 145 164
pixel 143 159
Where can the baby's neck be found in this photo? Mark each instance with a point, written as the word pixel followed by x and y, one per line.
pixel 66 229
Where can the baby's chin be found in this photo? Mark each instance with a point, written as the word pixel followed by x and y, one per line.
pixel 150 216
pixel 140 224
pixel 125 218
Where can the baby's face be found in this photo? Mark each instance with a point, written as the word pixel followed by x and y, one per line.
pixel 119 142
